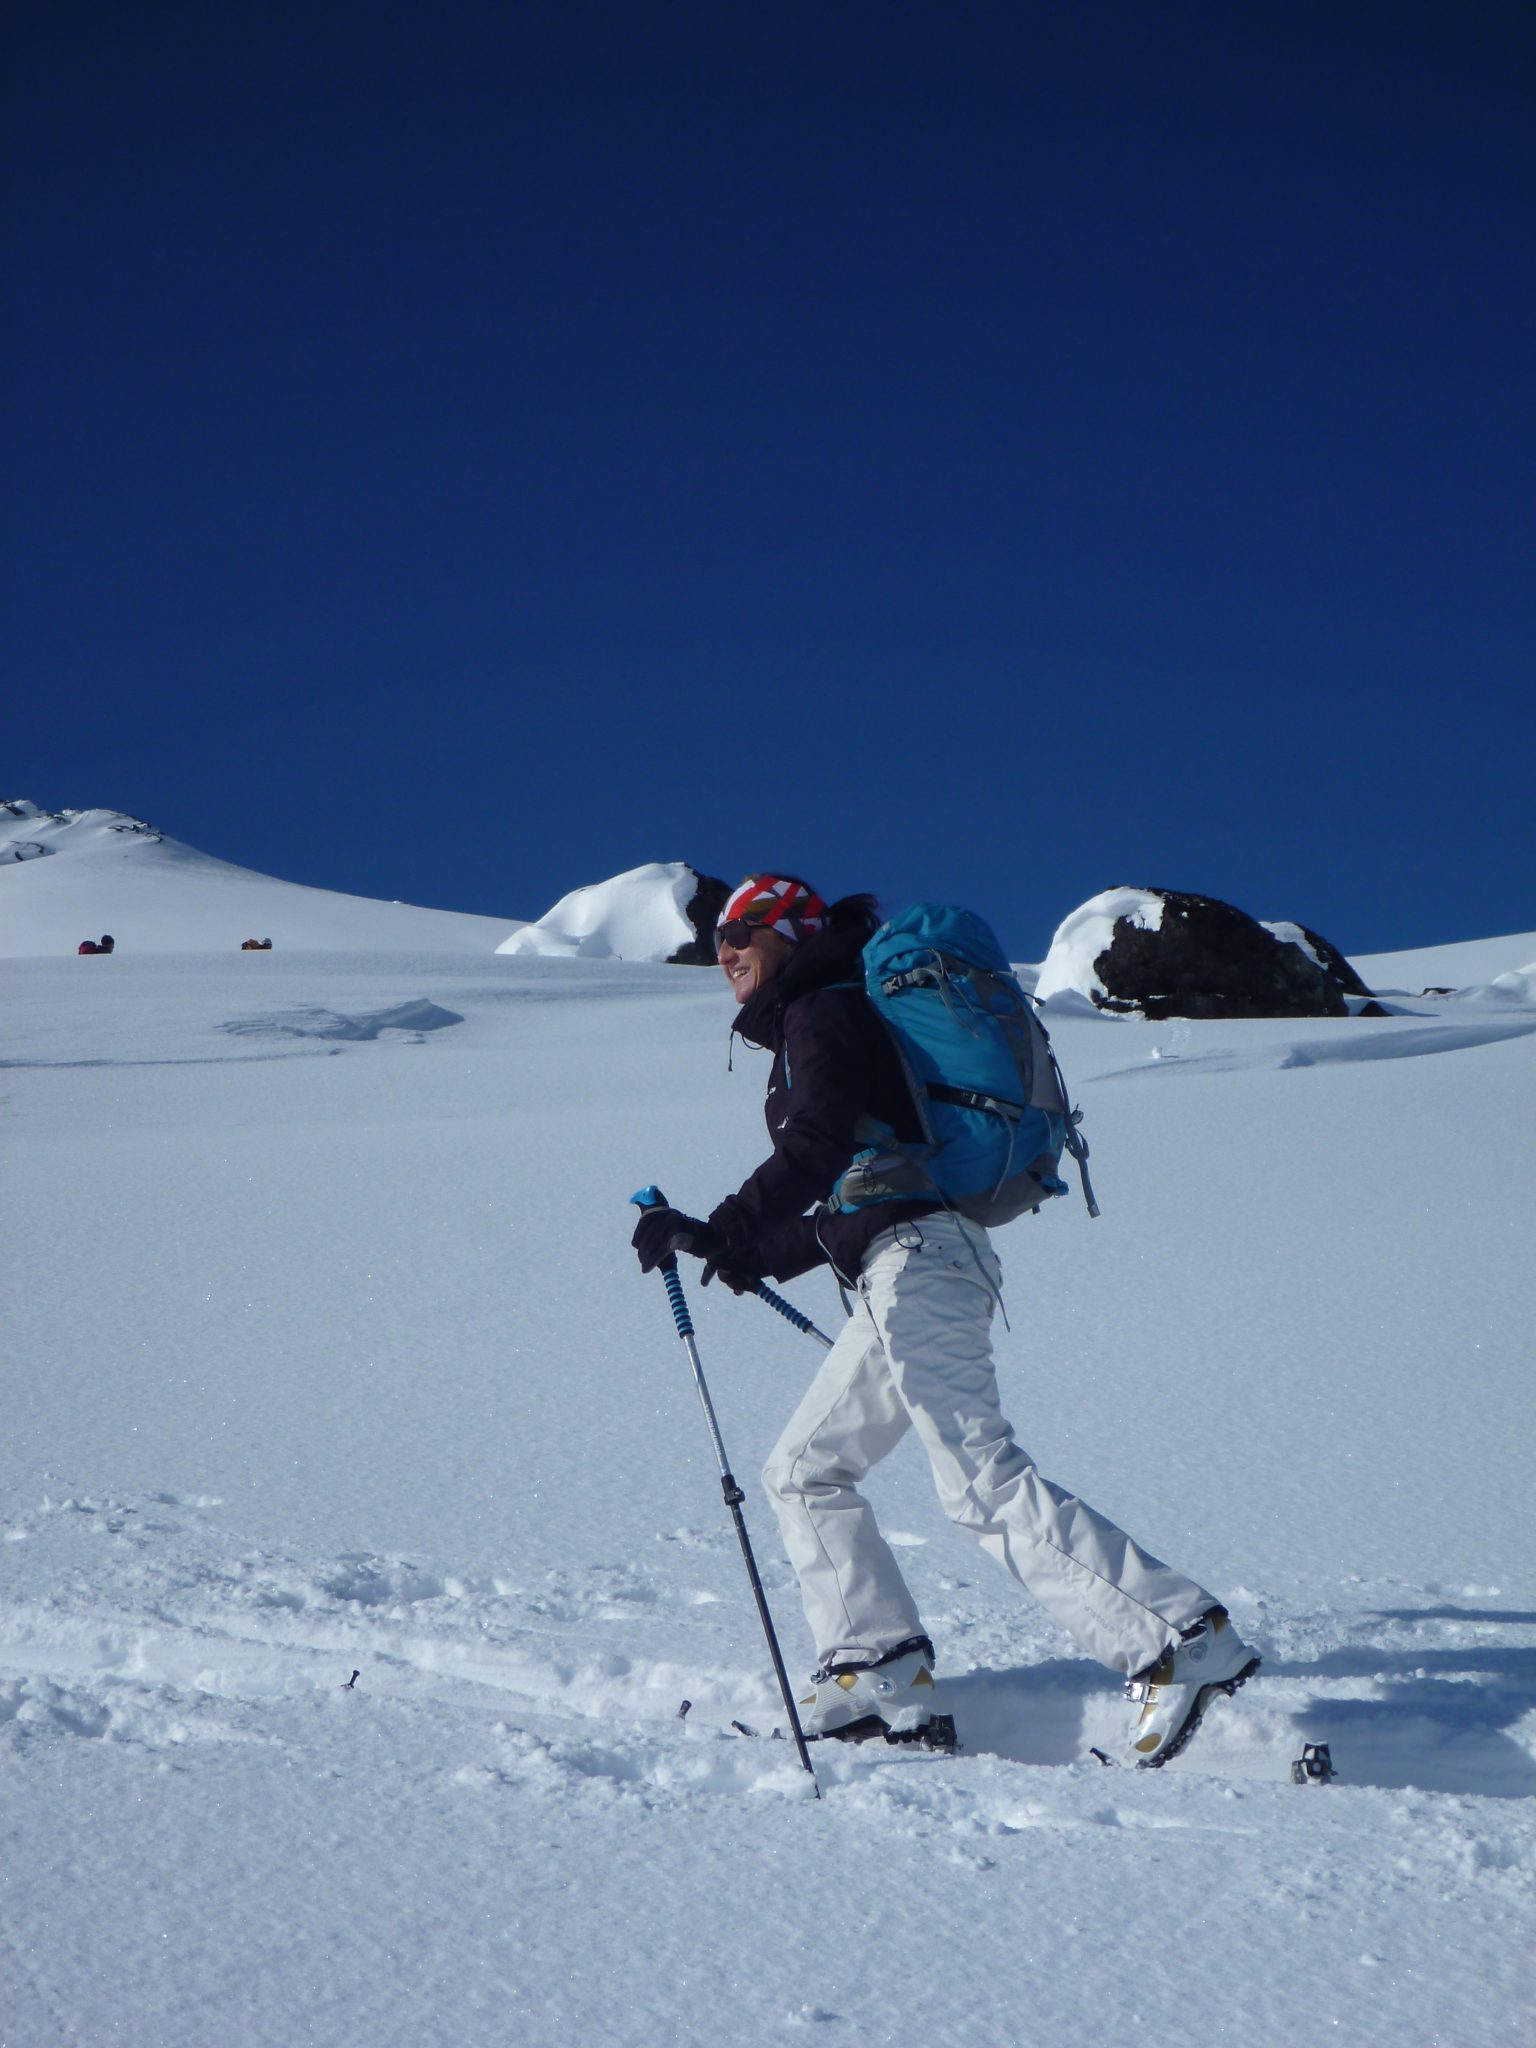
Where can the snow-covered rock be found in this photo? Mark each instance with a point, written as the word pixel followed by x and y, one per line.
pixel 664 911
pixel 1068 968
pixel 72 875
pixel 1166 953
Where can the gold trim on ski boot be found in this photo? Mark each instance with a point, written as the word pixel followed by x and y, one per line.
pixel 891 1696
pixel 1173 1694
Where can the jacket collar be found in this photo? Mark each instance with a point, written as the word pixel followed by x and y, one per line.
pixel 817 962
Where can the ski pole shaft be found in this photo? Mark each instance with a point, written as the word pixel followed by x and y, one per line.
pixel 653 1198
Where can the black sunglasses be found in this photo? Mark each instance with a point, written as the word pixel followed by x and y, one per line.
pixel 737 932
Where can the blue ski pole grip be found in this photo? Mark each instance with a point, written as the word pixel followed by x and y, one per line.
pixel 680 1313
pixel 652 1198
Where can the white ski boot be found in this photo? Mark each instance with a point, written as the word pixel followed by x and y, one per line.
pixel 1174 1693
pixel 891 1698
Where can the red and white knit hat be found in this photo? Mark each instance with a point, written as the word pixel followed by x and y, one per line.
pixel 781 905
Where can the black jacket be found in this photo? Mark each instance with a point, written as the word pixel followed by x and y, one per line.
pixel 833 1061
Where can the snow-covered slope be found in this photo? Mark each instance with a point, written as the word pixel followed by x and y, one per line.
pixel 1474 964
pixel 639 915
pixel 72 875
pixel 327 1354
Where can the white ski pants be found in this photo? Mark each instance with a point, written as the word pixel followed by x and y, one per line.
pixel 917 1354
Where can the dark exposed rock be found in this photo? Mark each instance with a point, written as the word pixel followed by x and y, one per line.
pixel 704 906
pixel 1334 962
pixel 1209 959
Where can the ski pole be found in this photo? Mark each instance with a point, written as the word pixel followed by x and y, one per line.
pixel 653 1198
pixel 791 1314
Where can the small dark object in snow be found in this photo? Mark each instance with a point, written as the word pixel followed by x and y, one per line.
pixel 742 1728
pixel 682 1712
pixel 1314 1766
pixel 352 1681
pixel 1102 1756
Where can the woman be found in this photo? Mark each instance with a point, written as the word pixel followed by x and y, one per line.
pixel 916 1353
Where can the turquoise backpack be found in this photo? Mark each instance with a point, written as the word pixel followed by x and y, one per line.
pixel 985 1082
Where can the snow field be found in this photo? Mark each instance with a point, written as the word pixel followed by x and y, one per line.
pixel 328 1353
pixel 74 875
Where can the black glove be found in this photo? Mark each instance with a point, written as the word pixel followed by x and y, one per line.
pixel 662 1233
pixel 737 1269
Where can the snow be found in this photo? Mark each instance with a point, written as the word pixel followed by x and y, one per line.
pixel 1481 972
pixel 1068 968
pixel 1517 986
pixel 640 915
pixel 72 875
pixel 1293 935
pixel 326 1352
pixel 1471 963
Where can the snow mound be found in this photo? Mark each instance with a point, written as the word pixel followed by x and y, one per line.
pixel 72 875
pixel 639 915
pixel 1517 986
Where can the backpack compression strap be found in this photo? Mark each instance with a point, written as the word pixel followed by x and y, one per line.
pixel 968 1098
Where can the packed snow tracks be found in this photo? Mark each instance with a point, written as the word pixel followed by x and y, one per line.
pixel 146 1621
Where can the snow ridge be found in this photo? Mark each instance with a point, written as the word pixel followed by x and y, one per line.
pixel 70 875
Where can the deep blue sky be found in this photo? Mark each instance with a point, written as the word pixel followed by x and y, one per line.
pixel 990 451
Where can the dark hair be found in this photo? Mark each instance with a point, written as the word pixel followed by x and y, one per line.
pixel 853 913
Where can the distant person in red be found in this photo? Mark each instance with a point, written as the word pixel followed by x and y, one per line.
pixel 104 944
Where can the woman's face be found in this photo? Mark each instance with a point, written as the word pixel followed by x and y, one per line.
pixel 747 967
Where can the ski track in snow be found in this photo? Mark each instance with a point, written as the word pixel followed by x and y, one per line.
pixel 197 1642
pixel 529 1713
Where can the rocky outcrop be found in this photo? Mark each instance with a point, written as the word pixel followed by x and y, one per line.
pixel 704 906
pixel 1167 953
